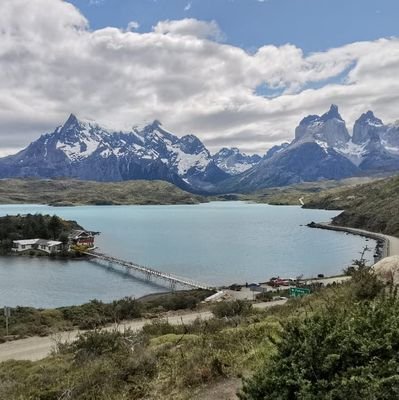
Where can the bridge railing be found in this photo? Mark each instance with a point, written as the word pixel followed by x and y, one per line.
pixel 149 271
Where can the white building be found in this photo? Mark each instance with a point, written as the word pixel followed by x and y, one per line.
pixel 47 246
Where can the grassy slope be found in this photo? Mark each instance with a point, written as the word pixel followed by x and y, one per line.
pixel 163 362
pixel 29 321
pixel 373 206
pixel 290 195
pixel 369 203
pixel 68 192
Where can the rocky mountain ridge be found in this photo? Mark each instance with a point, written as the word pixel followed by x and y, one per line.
pixel 324 149
pixel 85 150
pixel 321 149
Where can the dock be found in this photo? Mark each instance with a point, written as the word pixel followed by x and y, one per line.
pixel 150 273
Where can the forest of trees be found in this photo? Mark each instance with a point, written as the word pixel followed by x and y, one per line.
pixel 33 226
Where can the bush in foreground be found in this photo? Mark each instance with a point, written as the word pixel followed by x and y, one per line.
pixel 338 353
pixel 231 308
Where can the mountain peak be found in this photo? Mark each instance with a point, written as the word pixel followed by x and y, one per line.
pixel 367 128
pixel 227 151
pixel 333 108
pixel 147 125
pixel 233 161
pixel 156 123
pixel 192 145
pixel 368 114
pixel 369 118
pixel 309 119
pixel 331 113
pixel 72 120
pixel 329 128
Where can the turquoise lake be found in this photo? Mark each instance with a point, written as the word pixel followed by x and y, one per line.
pixel 217 243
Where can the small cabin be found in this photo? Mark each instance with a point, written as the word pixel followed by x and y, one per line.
pixel 46 246
pixel 82 238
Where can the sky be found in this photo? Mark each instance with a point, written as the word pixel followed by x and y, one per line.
pixel 237 73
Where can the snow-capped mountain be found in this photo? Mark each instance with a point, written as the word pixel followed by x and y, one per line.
pixel 367 127
pixel 233 162
pixel 276 149
pixel 373 145
pixel 323 149
pixel 85 150
pixel 327 130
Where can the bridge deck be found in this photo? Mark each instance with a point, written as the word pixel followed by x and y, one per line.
pixel 171 278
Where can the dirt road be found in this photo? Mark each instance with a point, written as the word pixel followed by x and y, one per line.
pixel 36 348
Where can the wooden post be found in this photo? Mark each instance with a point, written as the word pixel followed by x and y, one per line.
pixel 7 314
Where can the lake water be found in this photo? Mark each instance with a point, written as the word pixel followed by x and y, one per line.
pixel 216 243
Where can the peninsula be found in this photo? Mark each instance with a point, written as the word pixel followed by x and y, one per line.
pixel 38 235
pixel 70 192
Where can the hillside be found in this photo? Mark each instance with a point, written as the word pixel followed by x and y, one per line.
pixel 75 192
pixel 373 206
pixel 290 195
pixel 273 349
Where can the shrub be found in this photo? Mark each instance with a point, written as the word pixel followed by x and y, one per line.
pixel 95 343
pixel 347 352
pixel 231 308
pixel 126 308
pixel 161 327
pixel 177 300
pixel 364 284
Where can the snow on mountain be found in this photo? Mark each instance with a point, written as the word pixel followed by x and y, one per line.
pixel 232 161
pixel 353 152
pixel 390 138
pixel 373 145
pixel 77 139
pixel 85 150
pixel 329 128
pixel 367 127
pixel 372 142
pixel 322 149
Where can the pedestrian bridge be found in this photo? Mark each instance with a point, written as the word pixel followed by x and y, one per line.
pixel 150 273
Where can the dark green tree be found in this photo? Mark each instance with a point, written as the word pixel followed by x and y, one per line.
pixel 55 226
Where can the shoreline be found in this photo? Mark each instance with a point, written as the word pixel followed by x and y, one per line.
pixel 388 244
pixel 383 249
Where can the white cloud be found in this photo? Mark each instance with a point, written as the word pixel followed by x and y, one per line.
pixel 190 27
pixel 188 6
pixel 132 26
pixel 52 64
